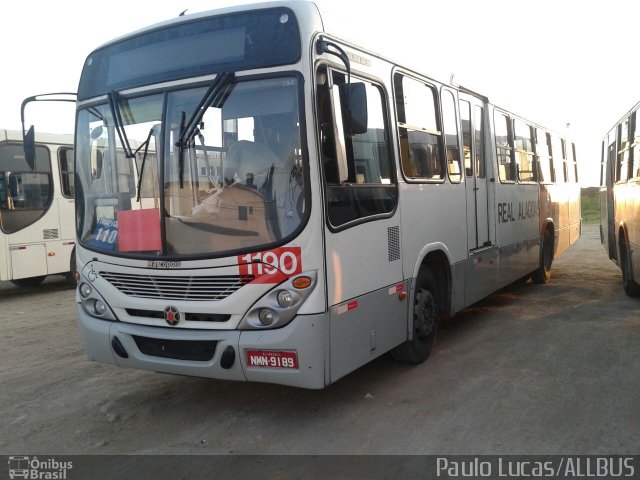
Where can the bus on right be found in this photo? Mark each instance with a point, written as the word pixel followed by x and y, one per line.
pixel 620 198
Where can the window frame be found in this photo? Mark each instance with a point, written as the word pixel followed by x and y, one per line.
pixel 48 174
pixel 468 109
pixel 69 174
pixel 439 133
pixel 623 151
pixel 557 160
pixel 456 112
pixel 479 167
pixel 331 68
pixel 510 143
pixel 547 144
pixel 634 148
pixel 531 154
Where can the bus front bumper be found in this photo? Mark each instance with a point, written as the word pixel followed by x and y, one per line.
pixel 208 353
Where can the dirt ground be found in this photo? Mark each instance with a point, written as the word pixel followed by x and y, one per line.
pixel 531 369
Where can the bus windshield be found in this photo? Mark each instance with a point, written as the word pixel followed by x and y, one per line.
pixel 236 184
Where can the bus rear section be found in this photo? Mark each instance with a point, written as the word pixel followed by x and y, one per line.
pixel 37 227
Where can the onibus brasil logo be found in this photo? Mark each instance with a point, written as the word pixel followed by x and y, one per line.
pixel 33 468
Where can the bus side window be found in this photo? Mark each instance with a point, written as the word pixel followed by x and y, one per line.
pixel 504 149
pixel 557 160
pixel 478 145
pixel 544 159
pixel 524 152
pixel 636 147
pixel 451 136
pixel 622 163
pixel 67 172
pixel 465 122
pixel 569 163
pixel 419 131
pixel 371 187
pixel 325 125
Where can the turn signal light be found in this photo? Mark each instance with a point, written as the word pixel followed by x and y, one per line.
pixel 301 282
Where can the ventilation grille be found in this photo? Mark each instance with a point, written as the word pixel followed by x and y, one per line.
pixel 177 288
pixel 50 233
pixel 393 235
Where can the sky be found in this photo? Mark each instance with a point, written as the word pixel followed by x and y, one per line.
pixel 554 62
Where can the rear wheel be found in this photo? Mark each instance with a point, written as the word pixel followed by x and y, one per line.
pixel 425 321
pixel 543 273
pixel 28 282
pixel 631 288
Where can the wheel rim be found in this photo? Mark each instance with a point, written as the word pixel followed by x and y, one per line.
pixel 425 314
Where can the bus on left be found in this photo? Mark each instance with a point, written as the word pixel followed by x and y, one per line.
pixel 37 227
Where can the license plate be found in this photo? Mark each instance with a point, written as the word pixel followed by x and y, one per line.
pixel 272 359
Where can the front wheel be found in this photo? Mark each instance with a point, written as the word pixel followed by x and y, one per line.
pixel 631 288
pixel 425 321
pixel 543 273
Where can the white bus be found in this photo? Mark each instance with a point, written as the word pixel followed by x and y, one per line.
pixel 620 198
pixel 37 227
pixel 309 207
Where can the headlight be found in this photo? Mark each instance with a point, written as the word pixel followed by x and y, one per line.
pixel 266 316
pixel 93 303
pixel 100 307
pixel 85 290
pixel 280 305
pixel 285 299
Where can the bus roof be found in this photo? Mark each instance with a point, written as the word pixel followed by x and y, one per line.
pixel 303 8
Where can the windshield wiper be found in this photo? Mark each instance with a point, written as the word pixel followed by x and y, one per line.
pixel 144 159
pixel 117 120
pixel 215 96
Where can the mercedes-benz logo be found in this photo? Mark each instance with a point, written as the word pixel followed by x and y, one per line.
pixel 171 315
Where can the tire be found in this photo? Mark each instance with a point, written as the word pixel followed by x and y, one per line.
pixel 28 282
pixel 71 275
pixel 426 311
pixel 631 288
pixel 543 273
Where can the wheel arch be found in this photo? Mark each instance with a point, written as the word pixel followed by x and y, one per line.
pixel 437 258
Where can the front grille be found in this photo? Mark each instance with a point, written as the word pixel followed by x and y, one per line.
pixel 195 350
pixel 191 317
pixel 177 288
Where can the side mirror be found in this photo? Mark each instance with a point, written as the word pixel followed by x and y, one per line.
pixel 354 98
pixel 29 145
pixel 28 137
